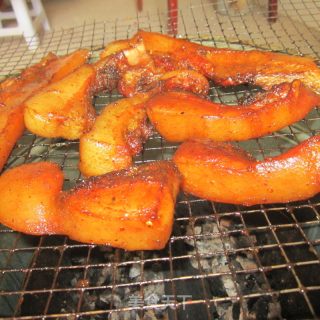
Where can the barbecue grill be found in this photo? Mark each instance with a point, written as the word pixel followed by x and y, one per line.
pixel 222 261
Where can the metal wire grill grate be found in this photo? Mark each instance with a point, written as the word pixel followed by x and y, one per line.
pixel 222 261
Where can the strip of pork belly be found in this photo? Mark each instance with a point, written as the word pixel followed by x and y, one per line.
pixel 231 67
pixel 14 91
pixel 179 116
pixel 221 172
pixel 117 135
pixel 131 209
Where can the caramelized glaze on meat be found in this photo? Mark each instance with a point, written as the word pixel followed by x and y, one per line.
pixel 130 209
pixel 139 80
pixel 14 91
pixel 230 67
pixel 29 196
pixel 180 116
pixel 63 108
pixel 223 173
pixel 50 69
pixel 117 135
pixel 137 72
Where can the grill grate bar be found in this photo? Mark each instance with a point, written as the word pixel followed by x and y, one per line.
pixel 289 264
pixel 50 291
pixel 262 268
pixel 101 312
pixel 24 287
pixel 54 282
pixel 239 296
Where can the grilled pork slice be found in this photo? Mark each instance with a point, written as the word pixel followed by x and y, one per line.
pixel 130 209
pixel 14 91
pixel 64 108
pixel 180 116
pixel 138 73
pixel 11 129
pixel 29 197
pixel 50 69
pixel 223 173
pixel 138 80
pixel 117 135
pixel 230 67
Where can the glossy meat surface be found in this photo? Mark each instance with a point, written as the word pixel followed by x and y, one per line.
pixel 117 135
pixel 14 91
pixel 63 108
pixel 28 198
pixel 11 129
pixel 231 67
pixel 131 209
pixel 180 116
pixel 51 68
pixel 223 173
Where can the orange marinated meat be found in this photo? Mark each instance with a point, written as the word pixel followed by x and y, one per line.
pixel 14 91
pixel 137 72
pixel 117 135
pixel 28 198
pixel 131 209
pixel 179 116
pixel 221 172
pixel 64 108
pixel 230 67
pixel 142 80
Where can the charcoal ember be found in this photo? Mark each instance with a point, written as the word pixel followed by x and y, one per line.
pixel 135 271
pixel 228 310
pixel 104 277
pixel 216 287
pixel 89 301
pixel 234 261
pixel 263 308
pixel 251 283
pixel 101 304
pixel 231 223
pixel 229 286
pixel 242 240
pixel 153 293
pixel 246 262
pixel 274 309
pixel 236 311
pixel 104 300
pixel 207 245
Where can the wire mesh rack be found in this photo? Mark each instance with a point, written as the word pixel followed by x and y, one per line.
pixel 222 261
